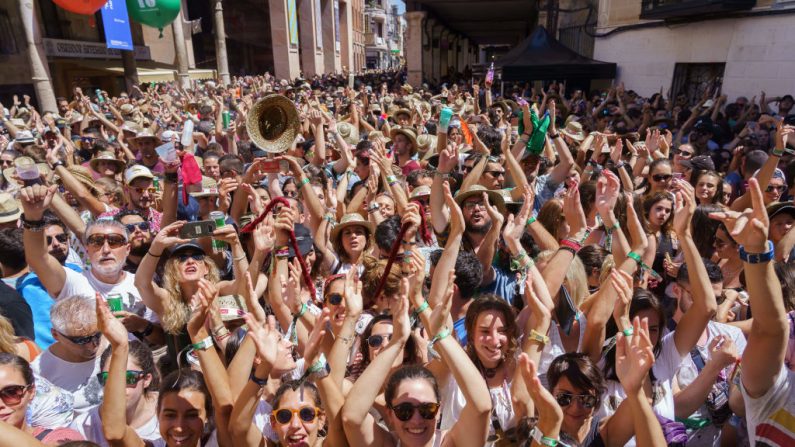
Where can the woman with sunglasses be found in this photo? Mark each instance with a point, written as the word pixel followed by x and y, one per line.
pixel 142 380
pixel 17 393
pixel 193 408
pixel 187 265
pixel 411 393
pixel 659 177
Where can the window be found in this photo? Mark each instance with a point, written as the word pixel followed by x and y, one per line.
pixel 692 79
pixel 8 42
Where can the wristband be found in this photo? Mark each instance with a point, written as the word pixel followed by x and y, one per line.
pixel 776 152
pixel 628 332
pixel 541 439
pixel 303 182
pixel 758 258
pixel 203 344
pixel 302 311
pixel 445 332
pixel 32 225
pixel 554 136
pixel 57 164
pixel 530 221
pixel 635 256
pixel 391 179
pixel 416 312
pixel 257 380
pixel 154 255
pixel 408 242
pixel 572 244
pixel 537 336
pixel 146 332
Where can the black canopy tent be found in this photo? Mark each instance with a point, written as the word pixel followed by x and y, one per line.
pixel 541 57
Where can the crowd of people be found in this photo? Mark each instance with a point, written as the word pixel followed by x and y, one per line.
pixel 399 266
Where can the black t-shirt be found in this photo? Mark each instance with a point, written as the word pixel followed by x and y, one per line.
pixel 17 310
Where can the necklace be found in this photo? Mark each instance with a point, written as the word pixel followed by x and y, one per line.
pixel 489 373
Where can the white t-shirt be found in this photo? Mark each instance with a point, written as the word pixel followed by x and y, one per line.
pixel 709 435
pixel 89 425
pixel 664 368
pixel 454 401
pixel 771 418
pixel 80 379
pixel 86 284
pixel 51 408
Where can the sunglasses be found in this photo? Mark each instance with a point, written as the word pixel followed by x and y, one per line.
pixel 131 377
pixel 114 240
pixel 661 177
pixel 13 394
pixel 143 226
pixel 495 174
pixel 89 339
pixel 198 257
pixel 285 415
pixel 375 341
pixel 6 162
pixel 335 299
pixel 684 154
pixel 585 400
pixel 62 238
pixel 777 188
pixel 466 169
pixel 364 161
pixel 405 411
pixel 140 191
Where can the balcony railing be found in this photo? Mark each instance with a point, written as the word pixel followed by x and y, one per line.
pixel 682 9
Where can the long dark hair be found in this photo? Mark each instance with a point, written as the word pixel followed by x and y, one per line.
pixel 410 354
pixel 188 379
pixel 580 371
pixel 143 356
pixel 409 372
pixel 482 304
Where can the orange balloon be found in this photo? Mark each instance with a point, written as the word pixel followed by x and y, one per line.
pixel 85 7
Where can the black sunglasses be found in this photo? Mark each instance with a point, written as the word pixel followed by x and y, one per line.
pixel 131 377
pixel 62 238
pixel 365 161
pixel 586 400
pixel 198 257
pixel 13 394
pixel 83 340
pixel 143 226
pixel 661 177
pixel 114 240
pixel 405 411
pixel 334 299
pixel 285 415
pixel 374 341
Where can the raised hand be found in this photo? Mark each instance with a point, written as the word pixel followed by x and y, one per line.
pixel 293 298
pixel 540 308
pixel 200 306
pixel 167 237
pixel 448 159
pixel 549 412
pixel 353 293
pixel 252 300
pixel 266 338
pixel 749 228
pixel 572 210
pixel 35 199
pixel 634 356
pixel 722 351
pixel 457 223
pixel 496 217
pixel 607 190
pixel 685 207
pixel 515 226
pixel 111 328
pixel 440 315
pixel 400 319
pixel 312 349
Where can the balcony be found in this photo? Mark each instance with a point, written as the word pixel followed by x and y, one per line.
pixel 371 40
pixel 689 9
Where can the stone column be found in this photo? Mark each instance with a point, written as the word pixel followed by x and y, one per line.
pixel 130 70
pixel 346 35
pixel 181 50
pixel 285 55
pixel 427 48
pixel 39 71
pixel 311 42
pixel 220 43
pixel 436 51
pixel 331 57
pixel 413 47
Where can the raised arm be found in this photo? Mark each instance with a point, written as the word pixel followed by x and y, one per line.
pixel 704 307
pixel 764 354
pixel 448 163
pixel 35 199
pixel 153 295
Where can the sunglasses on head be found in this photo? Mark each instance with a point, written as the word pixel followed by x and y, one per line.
pixel 83 340
pixel 143 226
pixel 131 377
pixel 405 411
pixel 62 238
pixel 661 177
pixel 285 415
pixel 586 400
pixel 13 394
pixel 375 341
pixel 114 240
pixel 198 257
pixel 335 299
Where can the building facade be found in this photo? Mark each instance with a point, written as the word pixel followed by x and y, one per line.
pixel 45 48
pixel 682 46
pixel 376 26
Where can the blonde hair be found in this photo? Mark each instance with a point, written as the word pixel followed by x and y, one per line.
pixel 7 338
pixel 176 309
pixel 575 275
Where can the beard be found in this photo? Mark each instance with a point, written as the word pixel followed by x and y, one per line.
pixel 60 256
pixel 140 249
pixel 481 228
pixel 107 270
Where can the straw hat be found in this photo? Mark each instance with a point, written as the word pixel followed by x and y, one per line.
pixel 476 190
pixel 420 191
pixel 408 133
pixel 574 131
pixel 349 133
pixel 378 135
pixel 351 220
pixel 143 135
pixel 426 143
pixel 83 175
pixel 400 111
pixel 9 208
pixel 106 156
pixel 510 203
pixel 9 173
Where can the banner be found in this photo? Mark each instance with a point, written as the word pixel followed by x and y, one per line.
pixel 117 25
pixel 292 20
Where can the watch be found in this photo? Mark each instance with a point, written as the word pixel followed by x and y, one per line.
pixel 758 258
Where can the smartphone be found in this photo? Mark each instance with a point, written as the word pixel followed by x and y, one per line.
pixel 193 230
pixel 270 166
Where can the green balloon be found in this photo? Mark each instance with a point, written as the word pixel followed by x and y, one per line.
pixel 155 13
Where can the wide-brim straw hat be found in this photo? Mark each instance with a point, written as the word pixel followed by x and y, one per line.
pixel 495 198
pixel 9 208
pixel 106 156
pixel 426 143
pixel 144 135
pixel 378 135
pixel 273 123
pixel 574 131
pixel 409 133
pixel 82 174
pixel 351 220
pixel 349 133
pixel 9 173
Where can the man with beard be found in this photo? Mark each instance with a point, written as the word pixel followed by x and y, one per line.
pixel 139 192
pixel 107 244
pixel 140 237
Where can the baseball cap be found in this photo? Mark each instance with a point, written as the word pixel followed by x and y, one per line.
pixel 699 163
pixel 136 171
pixel 304 239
